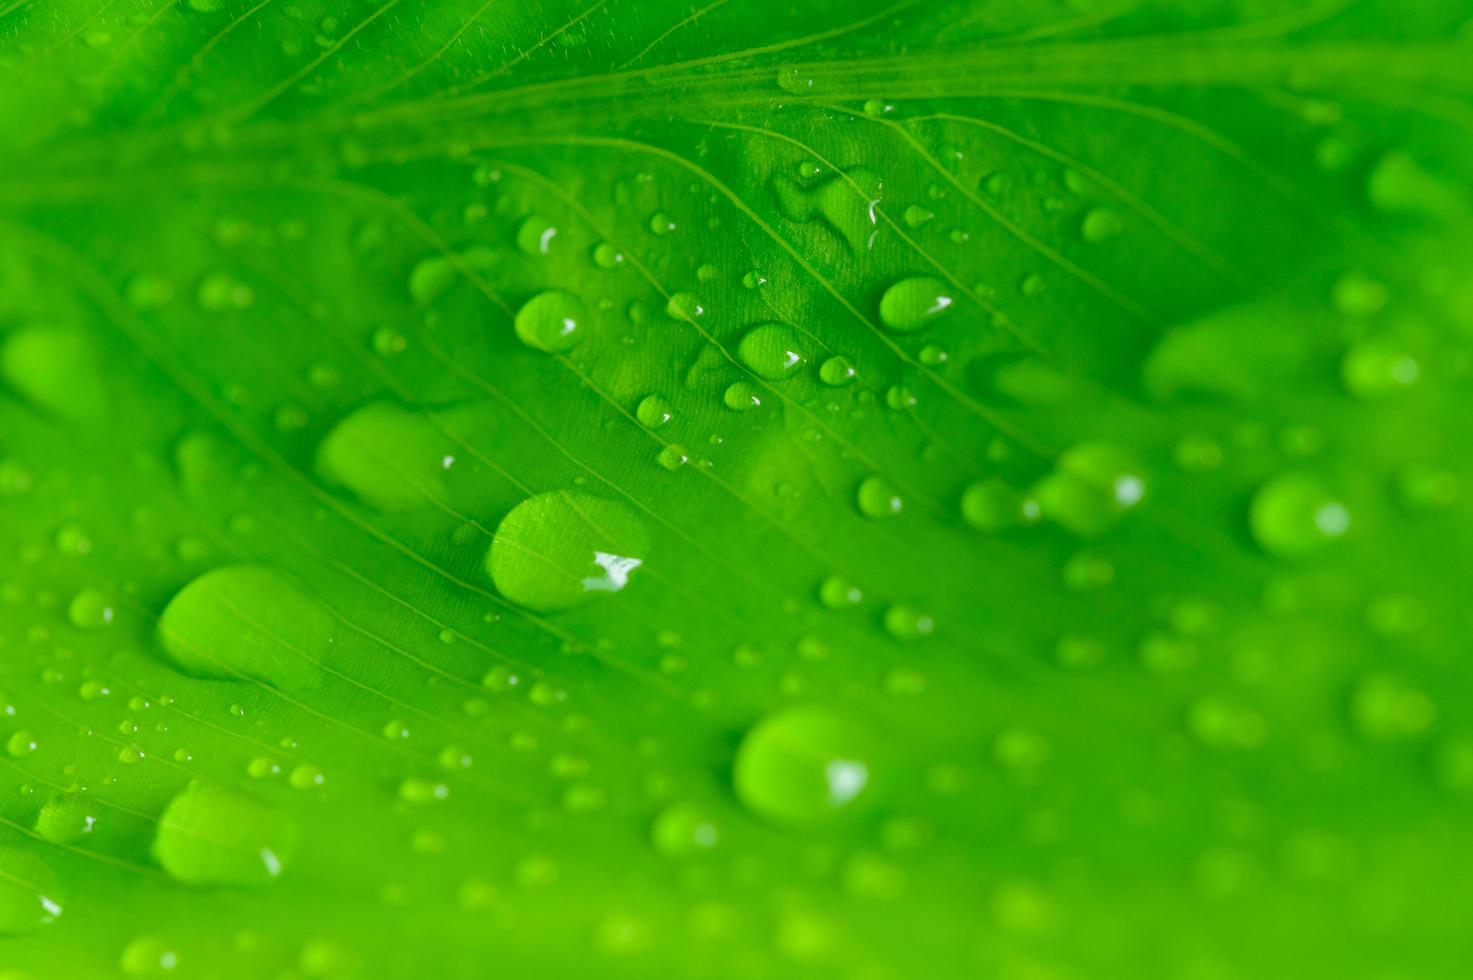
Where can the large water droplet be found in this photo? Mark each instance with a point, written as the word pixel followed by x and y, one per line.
pixel 804 765
pixel 27 891
pixel 388 457
pixel 246 621
pixel 1294 516
pixel 67 817
pixel 914 304
pixel 552 321
pixel 212 835
pixel 877 497
pixel 559 550
pixel 1091 488
pixel 56 369
pixel 771 351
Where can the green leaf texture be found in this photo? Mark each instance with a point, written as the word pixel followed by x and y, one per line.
pixel 736 489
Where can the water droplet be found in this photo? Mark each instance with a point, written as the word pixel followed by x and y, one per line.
pixel 661 224
pixel 90 610
pixel 212 835
pixel 684 306
pixel 683 829
pixel 535 235
pixel 57 370
pixel 67 817
pixel 837 592
pixel 673 457
pixel 306 776
pixel 741 396
pixel 147 956
pixel 993 506
pixel 1378 367
pixel 21 743
pixel 552 321
pixel 794 80
pixel 1385 708
pixel 28 892
pixel 771 351
pixel 559 550
pixel 246 621
pixel 653 411
pixel 387 456
pixel 430 279
pixel 423 791
pixel 606 256
pixel 1358 296
pixel 1092 486
pixel 907 623
pixel 878 498
pixel 804 765
pixel 915 215
pixel 1101 224
pixel 1293 516
pixel 836 371
pixel 914 304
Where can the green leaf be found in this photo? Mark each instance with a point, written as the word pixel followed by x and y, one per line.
pixel 741 490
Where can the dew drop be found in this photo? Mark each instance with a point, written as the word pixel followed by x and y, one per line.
pixel 804 765
pixel 246 621
pixel 993 505
pixel 56 369
pixel 836 371
pixel 387 456
pixel 741 396
pixel 914 304
pixel 1092 486
pixel 552 321
pixel 66 817
pixel 878 498
pixel 28 892
pixel 770 351
pixel 684 306
pixel 683 829
pixel 561 549
pixel 535 235
pixel 653 411
pixel 212 835
pixel 1293 516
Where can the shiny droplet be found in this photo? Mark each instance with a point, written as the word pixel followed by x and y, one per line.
pixel 914 304
pixel 212 835
pixel 561 549
pixel 552 321
pixel 771 351
pixel 804 765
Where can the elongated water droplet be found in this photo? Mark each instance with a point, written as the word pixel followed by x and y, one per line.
pixel 212 835
pixel 389 457
pixel 246 621
pixel 914 304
